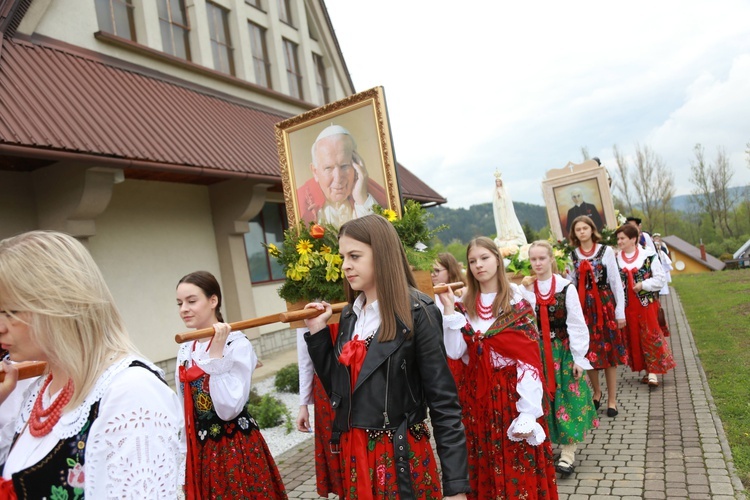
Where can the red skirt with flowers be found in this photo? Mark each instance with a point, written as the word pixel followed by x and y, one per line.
pixel 327 464
pixel 606 342
pixel 240 466
pixel 370 467
pixel 458 370
pixel 647 348
pixel 499 467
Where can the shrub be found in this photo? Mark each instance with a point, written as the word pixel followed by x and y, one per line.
pixel 270 412
pixel 287 379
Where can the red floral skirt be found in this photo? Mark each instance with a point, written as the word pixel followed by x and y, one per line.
pixel 606 342
pixel 498 467
pixel 647 348
pixel 239 467
pixel 458 370
pixel 370 467
pixel 327 465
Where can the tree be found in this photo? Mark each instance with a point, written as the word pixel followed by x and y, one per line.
pixel 654 184
pixel 712 193
pixel 621 183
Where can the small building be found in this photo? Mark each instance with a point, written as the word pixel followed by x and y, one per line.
pixel 689 259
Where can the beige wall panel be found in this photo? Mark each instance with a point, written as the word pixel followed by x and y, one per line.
pixel 151 235
pixel 17 206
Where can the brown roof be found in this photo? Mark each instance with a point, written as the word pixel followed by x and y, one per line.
pixel 693 252
pixel 61 103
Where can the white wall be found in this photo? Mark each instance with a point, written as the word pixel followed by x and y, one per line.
pixel 151 235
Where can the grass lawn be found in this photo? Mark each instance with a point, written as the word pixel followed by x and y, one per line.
pixel 717 306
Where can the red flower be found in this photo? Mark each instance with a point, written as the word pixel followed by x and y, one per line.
pixel 317 231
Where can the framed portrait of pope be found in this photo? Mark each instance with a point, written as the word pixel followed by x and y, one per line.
pixel 337 161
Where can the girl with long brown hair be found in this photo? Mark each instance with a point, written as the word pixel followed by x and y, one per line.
pixel 493 330
pixel 597 278
pixel 385 368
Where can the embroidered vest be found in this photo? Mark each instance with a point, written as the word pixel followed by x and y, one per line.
pixel 600 271
pixel 642 274
pixel 557 314
pixel 208 425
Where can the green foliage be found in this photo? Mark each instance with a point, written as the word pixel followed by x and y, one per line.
pixel 287 379
pixel 415 233
pixel 529 232
pixel 312 265
pixel 270 412
pixel 721 330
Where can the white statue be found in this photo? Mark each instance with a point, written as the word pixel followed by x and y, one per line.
pixel 509 230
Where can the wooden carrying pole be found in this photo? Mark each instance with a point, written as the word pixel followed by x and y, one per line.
pixel 284 317
pixel 27 369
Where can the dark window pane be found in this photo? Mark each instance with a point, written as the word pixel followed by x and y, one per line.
pixel 268 227
pixel 256 254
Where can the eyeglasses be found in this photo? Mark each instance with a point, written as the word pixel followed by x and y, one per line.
pixel 435 270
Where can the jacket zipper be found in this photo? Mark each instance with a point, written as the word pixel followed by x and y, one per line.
pixel 386 420
pixel 408 385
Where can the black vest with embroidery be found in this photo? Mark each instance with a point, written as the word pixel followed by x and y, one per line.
pixel 557 314
pixel 597 264
pixel 643 273
pixel 60 474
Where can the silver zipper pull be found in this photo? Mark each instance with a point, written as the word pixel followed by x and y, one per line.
pixel 387 422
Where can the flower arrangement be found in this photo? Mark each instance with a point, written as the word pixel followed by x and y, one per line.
pixel 517 258
pixel 310 256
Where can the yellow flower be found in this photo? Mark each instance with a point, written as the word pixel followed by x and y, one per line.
pixel 297 272
pixel 333 268
pixel 390 214
pixel 273 250
pixel 304 247
pixel 325 249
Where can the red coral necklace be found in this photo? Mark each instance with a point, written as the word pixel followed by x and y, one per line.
pixel 589 253
pixel 630 260
pixel 484 312
pixel 52 414
pixel 548 299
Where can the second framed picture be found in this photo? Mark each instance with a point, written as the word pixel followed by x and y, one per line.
pixel 337 161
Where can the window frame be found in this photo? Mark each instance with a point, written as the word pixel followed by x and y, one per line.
pixel 285 13
pixel 265 62
pixel 175 26
pixel 321 80
pixel 281 208
pixel 211 9
pixel 129 8
pixel 292 75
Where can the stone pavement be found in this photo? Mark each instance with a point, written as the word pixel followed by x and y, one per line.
pixel 665 443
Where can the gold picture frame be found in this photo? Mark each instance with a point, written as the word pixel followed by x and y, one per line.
pixel 308 192
pixel 589 182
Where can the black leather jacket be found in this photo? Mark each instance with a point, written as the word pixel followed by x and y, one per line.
pixel 398 381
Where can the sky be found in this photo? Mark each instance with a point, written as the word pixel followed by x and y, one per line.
pixel 521 87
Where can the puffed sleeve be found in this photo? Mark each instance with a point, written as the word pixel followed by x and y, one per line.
pixel 529 406
pixel 578 332
pixel 134 443
pixel 230 375
pixel 440 392
pixel 455 345
pixel 615 282
pixel 658 278
pixel 306 370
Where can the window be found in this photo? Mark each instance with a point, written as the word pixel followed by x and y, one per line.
pixel 293 73
pixel 320 79
pixel 221 43
pixel 261 63
pixel 175 30
pixel 255 3
pixel 267 227
pixel 285 12
pixel 116 17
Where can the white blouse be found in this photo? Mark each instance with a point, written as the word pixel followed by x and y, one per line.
pixel 609 261
pixel 578 332
pixel 230 376
pixel 529 389
pixel 658 277
pixel 134 443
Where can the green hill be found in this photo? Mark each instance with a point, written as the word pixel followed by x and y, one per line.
pixel 477 220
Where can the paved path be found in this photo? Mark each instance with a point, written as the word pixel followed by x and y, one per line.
pixel 666 442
